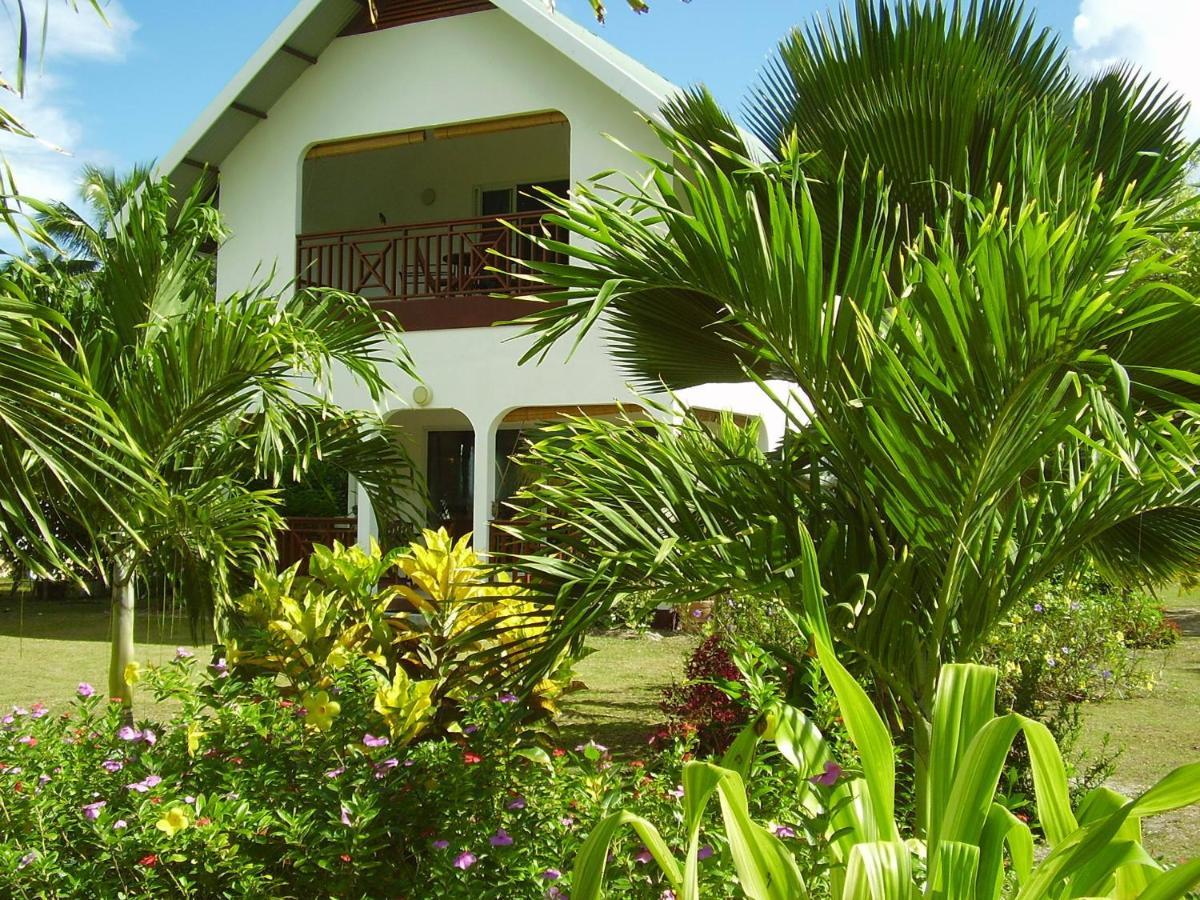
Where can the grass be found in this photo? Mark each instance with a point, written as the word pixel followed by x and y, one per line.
pixel 624 679
pixel 1158 732
pixel 48 648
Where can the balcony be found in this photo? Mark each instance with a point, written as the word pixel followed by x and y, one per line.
pixel 453 274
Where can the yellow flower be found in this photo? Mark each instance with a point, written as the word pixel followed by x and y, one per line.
pixel 174 820
pixel 133 673
pixel 319 710
pixel 194 734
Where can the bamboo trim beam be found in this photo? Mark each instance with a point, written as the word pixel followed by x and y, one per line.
pixel 526 414
pixel 362 145
pixel 492 126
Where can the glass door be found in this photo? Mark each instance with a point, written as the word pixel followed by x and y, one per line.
pixel 450 472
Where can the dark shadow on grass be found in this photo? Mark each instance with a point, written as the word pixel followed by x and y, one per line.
pixel 88 620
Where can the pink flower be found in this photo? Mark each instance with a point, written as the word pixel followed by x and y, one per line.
pixel 785 831
pixel 120 825
pixel 85 690
pixel 642 856
pixel 556 893
pixel 517 802
pixel 465 860
pixel 334 773
pixel 676 792
pixel 829 777
pixel 440 845
pixel 369 740
pixel 183 653
pixel 149 737
pixel 501 839
pixel 91 811
pixel 26 859
pixel 29 740
pixel 220 668
pixel 38 710
pixel 668 894
pixel 145 784
pixel 129 733
pixel 346 817
pixel 507 697
pixel 550 875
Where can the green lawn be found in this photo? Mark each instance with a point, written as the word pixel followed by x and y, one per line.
pixel 1159 732
pixel 46 649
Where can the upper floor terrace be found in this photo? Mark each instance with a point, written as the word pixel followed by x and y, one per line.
pixel 414 221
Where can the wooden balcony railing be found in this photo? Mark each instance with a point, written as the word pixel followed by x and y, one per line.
pixel 296 541
pixel 413 270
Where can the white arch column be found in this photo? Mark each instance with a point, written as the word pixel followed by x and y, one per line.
pixel 368 526
pixel 484 483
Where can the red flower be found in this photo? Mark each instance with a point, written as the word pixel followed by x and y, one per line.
pixel 236 760
pixel 156 800
pixel 637 764
pixel 559 751
pixel 204 820
pixel 287 704
pixel 19 786
pixel 149 860
pixel 345 857
pixel 471 758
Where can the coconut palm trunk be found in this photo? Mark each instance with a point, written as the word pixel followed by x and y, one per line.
pixel 124 599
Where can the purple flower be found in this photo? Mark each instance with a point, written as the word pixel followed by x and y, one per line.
pixel 554 892
pixel 507 697
pixel 29 740
pixel 39 710
pixel 470 729
pixel 1037 607
pixel 465 860
pixel 8 719
pixel 785 831
pixel 149 737
pixel 369 740
pixel 91 811
pixel 642 856
pixel 183 653
pixel 85 690
pixel 120 825
pixel 20 711
pixel 382 768
pixel 517 802
pixel 129 733
pixel 697 613
pixel 550 875
pixel 334 773
pixel 668 894
pixel 1106 674
pixel 676 792
pixel 704 852
pixel 145 784
pixel 567 822
pixel 440 845
pixel 830 776
pixel 220 668
pixel 43 779
pixel 346 816
pixel 501 839
pixel 26 859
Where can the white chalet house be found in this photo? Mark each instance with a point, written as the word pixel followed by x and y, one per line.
pixel 376 156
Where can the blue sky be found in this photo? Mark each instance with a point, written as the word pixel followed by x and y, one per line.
pixel 125 92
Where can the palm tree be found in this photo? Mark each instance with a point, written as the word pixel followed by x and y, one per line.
pixel 217 396
pixel 979 361
pixel 57 435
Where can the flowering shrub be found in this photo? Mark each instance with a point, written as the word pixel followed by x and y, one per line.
pixel 252 790
pixel 1071 641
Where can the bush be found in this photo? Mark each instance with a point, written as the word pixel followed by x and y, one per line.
pixel 703 709
pixel 246 792
pixel 1071 640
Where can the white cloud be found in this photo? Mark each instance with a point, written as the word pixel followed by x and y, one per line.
pixel 1159 36
pixel 48 167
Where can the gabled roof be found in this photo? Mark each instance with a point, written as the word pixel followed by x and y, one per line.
pixel 310 28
